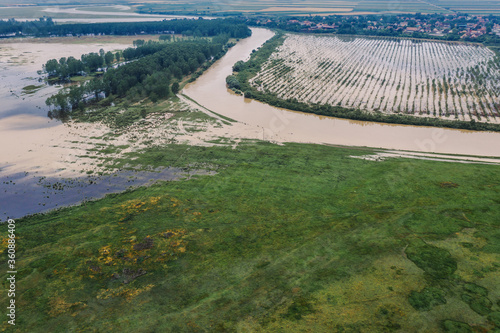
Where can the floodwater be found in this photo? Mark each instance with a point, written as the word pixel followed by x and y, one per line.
pixel 29 193
pixel 19 63
pixel 33 147
pixel 115 15
pixel 288 126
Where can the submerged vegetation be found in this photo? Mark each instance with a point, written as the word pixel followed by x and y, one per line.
pixel 445 80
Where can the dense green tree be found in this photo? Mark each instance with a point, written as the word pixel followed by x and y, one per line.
pixel 138 42
pixel 75 66
pixel 75 96
pixel 175 87
pixel 92 61
pixel 51 67
pixel 108 58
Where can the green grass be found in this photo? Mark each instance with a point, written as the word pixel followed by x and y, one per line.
pixel 283 238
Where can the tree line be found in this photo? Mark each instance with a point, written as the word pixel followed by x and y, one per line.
pixel 154 75
pixel 64 68
pixel 11 26
pixel 189 27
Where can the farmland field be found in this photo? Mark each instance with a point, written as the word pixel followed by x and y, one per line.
pixel 422 78
pixel 464 6
pixel 268 7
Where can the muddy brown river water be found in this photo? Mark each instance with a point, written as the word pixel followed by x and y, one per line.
pixel 35 152
pixel 283 125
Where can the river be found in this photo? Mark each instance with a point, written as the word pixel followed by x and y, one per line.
pixel 289 126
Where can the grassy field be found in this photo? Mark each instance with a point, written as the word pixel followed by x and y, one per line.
pixel 289 238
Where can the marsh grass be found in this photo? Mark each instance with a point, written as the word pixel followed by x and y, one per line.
pixel 290 237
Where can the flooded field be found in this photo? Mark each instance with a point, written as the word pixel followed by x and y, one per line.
pixel 29 193
pixel 31 142
pixel 432 79
pixel 282 125
pixel 23 90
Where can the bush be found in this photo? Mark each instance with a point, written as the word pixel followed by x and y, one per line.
pixel 436 262
pixel 233 83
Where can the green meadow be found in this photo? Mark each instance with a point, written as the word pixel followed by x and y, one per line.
pixel 283 238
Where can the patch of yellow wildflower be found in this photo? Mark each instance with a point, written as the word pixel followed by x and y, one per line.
pixel 142 253
pixel 136 206
pixel 59 306
pixel 105 255
pixel 197 216
pixel 4 244
pixel 175 202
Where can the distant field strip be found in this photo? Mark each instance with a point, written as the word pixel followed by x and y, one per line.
pixel 295 7
pixel 469 6
pixel 448 80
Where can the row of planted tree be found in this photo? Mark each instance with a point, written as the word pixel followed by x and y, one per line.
pixel 244 80
pixel 388 75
